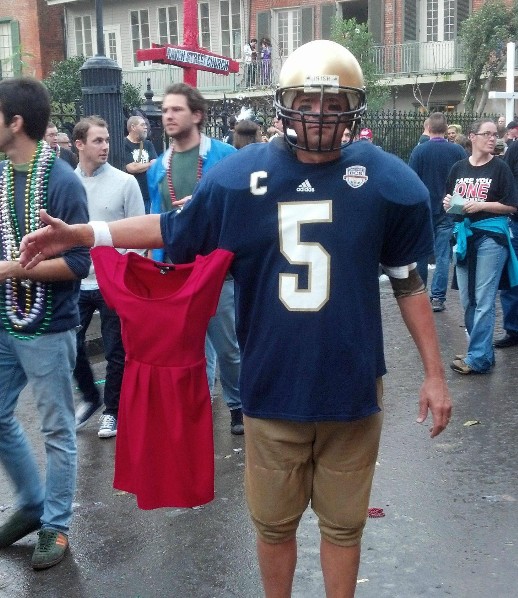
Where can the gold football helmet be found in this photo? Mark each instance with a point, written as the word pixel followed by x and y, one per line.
pixel 320 66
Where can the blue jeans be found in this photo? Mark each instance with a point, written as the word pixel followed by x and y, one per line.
pixel 45 363
pixel 89 301
pixel 509 298
pixel 479 311
pixel 222 345
pixel 442 231
pixel 442 248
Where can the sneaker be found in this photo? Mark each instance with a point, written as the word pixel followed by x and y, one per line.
pixel 236 423
pixel 50 549
pixel 84 412
pixel 508 340
pixel 461 367
pixel 19 525
pixel 107 427
pixel 437 304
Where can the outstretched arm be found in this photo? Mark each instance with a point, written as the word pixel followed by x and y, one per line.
pixel 434 394
pixel 140 232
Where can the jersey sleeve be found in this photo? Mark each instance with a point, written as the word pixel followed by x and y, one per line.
pixel 408 231
pixel 196 230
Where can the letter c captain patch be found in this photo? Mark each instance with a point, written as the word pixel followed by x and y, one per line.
pixel 355 176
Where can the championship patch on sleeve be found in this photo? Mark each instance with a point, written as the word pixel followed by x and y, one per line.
pixel 355 176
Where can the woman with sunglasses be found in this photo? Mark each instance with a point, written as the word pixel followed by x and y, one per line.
pixel 482 190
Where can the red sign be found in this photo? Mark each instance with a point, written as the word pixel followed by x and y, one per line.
pixel 188 57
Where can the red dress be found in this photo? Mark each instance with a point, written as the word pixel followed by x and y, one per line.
pixel 164 447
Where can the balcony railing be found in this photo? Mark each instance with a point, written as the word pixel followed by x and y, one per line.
pixel 260 77
pixel 393 61
pixel 424 58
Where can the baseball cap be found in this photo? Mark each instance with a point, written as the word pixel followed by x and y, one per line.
pixel 367 134
pixel 513 124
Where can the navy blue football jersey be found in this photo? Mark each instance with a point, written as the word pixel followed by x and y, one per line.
pixel 307 240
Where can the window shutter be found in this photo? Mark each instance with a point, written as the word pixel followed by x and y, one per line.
pixel 462 12
pixel 307 21
pixel 410 23
pixel 264 25
pixel 16 48
pixel 376 12
pixel 327 15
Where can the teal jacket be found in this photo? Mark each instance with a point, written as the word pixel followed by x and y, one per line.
pixel 211 152
pixel 498 224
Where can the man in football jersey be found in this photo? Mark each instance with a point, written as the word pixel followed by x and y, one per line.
pixel 308 221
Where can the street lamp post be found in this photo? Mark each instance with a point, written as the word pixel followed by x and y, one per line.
pixel 101 86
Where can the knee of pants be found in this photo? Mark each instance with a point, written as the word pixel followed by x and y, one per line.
pixel 276 532
pixel 277 500
pixel 341 536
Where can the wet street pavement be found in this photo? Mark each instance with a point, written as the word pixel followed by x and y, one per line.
pixel 450 504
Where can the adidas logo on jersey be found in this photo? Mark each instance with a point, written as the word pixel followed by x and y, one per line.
pixel 306 187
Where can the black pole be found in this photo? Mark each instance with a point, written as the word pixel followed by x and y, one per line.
pixel 101 85
pixel 100 32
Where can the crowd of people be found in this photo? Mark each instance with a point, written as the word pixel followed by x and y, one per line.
pixel 208 238
pixel 474 197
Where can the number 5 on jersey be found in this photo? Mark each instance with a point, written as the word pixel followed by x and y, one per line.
pixel 292 216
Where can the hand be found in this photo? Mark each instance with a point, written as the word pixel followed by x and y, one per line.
pixel 471 207
pixel 48 241
pixel 446 202
pixel 435 396
pixel 179 203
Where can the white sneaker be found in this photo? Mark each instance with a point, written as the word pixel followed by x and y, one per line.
pixel 107 427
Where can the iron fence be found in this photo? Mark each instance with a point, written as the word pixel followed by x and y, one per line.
pixel 395 131
pixel 399 132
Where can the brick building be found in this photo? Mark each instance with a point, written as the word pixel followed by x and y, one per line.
pixel 417 49
pixel 31 37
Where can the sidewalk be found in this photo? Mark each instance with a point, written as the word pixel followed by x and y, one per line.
pixel 450 527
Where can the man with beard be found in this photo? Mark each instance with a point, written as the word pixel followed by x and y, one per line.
pixel 172 179
pixel 139 154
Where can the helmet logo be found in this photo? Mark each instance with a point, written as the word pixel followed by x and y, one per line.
pixel 355 176
pixel 325 80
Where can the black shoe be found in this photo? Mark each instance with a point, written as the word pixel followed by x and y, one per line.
pixel 236 424
pixel 508 340
pixel 19 525
pixel 84 412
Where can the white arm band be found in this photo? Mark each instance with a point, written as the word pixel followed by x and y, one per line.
pixel 102 235
pixel 399 271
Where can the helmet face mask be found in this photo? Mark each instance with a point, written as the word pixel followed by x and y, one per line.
pixel 329 70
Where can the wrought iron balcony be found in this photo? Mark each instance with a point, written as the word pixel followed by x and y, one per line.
pixel 423 58
pixel 248 80
pixel 392 61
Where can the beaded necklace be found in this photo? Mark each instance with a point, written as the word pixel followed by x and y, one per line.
pixel 170 176
pixel 38 296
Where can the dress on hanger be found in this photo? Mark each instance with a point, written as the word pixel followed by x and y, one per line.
pixel 164 446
